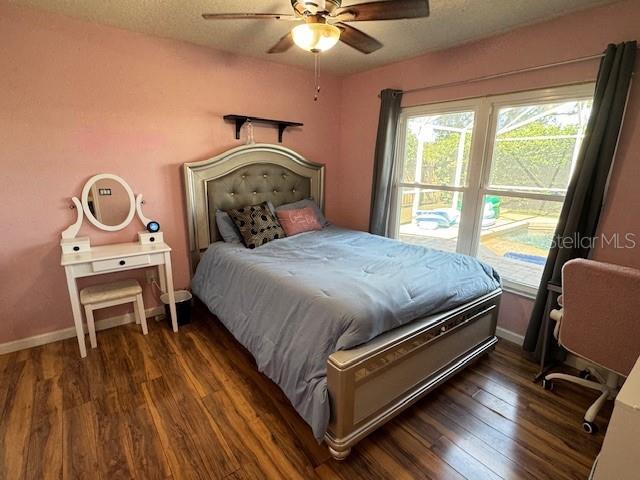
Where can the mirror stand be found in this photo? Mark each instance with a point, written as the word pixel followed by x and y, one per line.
pixel 72 230
pixel 104 197
pixel 69 242
pixel 139 202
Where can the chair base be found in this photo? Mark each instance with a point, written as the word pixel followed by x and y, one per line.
pixel 608 388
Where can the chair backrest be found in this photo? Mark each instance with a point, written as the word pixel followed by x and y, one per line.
pixel 601 316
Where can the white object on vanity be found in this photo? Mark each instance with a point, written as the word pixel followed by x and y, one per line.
pixel 109 204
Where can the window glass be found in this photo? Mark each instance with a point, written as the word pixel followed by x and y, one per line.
pixel 516 234
pixel 536 146
pixel 443 143
pixel 430 218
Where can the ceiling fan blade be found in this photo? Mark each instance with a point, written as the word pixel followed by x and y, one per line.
pixel 249 16
pixel 284 44
pixel 384 10
pixel 358 39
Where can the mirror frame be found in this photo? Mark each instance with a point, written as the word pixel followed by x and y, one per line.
pixel 85 202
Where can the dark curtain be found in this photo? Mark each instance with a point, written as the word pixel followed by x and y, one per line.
pixel 383 167
pixel 583 203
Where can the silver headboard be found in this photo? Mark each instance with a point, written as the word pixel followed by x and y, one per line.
pixel 245 175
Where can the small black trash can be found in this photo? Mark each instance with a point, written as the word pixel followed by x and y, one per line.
pixel 183 306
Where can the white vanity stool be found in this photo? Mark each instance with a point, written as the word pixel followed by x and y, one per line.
pixel 109 295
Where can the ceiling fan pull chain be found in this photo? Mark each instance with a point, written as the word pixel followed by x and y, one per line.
pixel 317 76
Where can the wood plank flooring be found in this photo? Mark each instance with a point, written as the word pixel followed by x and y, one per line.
pixel 192 405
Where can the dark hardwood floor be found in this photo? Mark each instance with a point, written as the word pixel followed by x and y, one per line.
pixel 192 405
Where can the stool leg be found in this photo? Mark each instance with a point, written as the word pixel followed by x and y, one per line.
pixel 91 325
pixel 137 313
pixel 141 317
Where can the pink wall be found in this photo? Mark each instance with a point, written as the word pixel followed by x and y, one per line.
pixel 78 99
pixel 580 34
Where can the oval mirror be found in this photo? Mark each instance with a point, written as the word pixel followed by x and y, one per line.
pixel 108 202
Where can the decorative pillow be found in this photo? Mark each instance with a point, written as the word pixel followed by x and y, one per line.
pixel 257 224
pixel 228 230
pixel 298 221
pixel 307 202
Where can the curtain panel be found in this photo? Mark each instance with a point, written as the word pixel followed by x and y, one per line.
pixel 383 167
pixel 585 194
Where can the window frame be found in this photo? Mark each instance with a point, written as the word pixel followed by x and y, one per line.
pixel 485 111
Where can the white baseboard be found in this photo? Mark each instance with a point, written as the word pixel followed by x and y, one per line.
pixel 70 332
pixel 510 336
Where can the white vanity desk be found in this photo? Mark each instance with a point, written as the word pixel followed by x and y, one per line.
pixel 116 258
pixel 79 259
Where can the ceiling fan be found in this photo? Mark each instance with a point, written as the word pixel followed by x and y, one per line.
pixel 325 22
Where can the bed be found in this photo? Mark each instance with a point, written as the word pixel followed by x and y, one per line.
pixel 353 327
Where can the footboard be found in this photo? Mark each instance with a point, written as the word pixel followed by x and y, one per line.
pixel 370 384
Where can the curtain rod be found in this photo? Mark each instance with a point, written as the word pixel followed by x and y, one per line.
pixel 505 74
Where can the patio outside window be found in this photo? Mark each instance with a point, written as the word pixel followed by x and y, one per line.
pixel 492 176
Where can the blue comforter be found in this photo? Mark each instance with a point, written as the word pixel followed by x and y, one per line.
pixel 293 302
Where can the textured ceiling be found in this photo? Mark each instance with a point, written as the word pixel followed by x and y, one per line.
pixel 452 22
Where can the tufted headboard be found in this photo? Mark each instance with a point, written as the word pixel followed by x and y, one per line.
pixel 245 175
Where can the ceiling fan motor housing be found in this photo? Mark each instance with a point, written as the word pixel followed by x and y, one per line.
pixel 314 7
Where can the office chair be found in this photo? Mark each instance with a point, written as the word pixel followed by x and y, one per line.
pixel 599 321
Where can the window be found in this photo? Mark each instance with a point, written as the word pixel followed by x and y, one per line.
pixel 487 177
pixel 432 190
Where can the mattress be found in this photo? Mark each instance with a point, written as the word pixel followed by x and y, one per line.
pixel 294 301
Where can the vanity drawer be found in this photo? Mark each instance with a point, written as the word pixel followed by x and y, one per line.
pixel 147 238
pixel 75 245
pixel 121 263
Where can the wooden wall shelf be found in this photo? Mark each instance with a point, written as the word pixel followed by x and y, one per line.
pixel 242 119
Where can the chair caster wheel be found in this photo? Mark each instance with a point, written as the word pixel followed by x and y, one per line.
pixel 589 427
pixel 547 384
pixel 584 374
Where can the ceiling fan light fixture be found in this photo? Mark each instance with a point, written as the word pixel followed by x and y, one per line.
pixel 315 37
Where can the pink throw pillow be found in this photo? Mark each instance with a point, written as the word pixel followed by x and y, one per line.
pixel 298 221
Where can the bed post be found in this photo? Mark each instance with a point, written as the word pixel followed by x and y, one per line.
pixel 339 455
